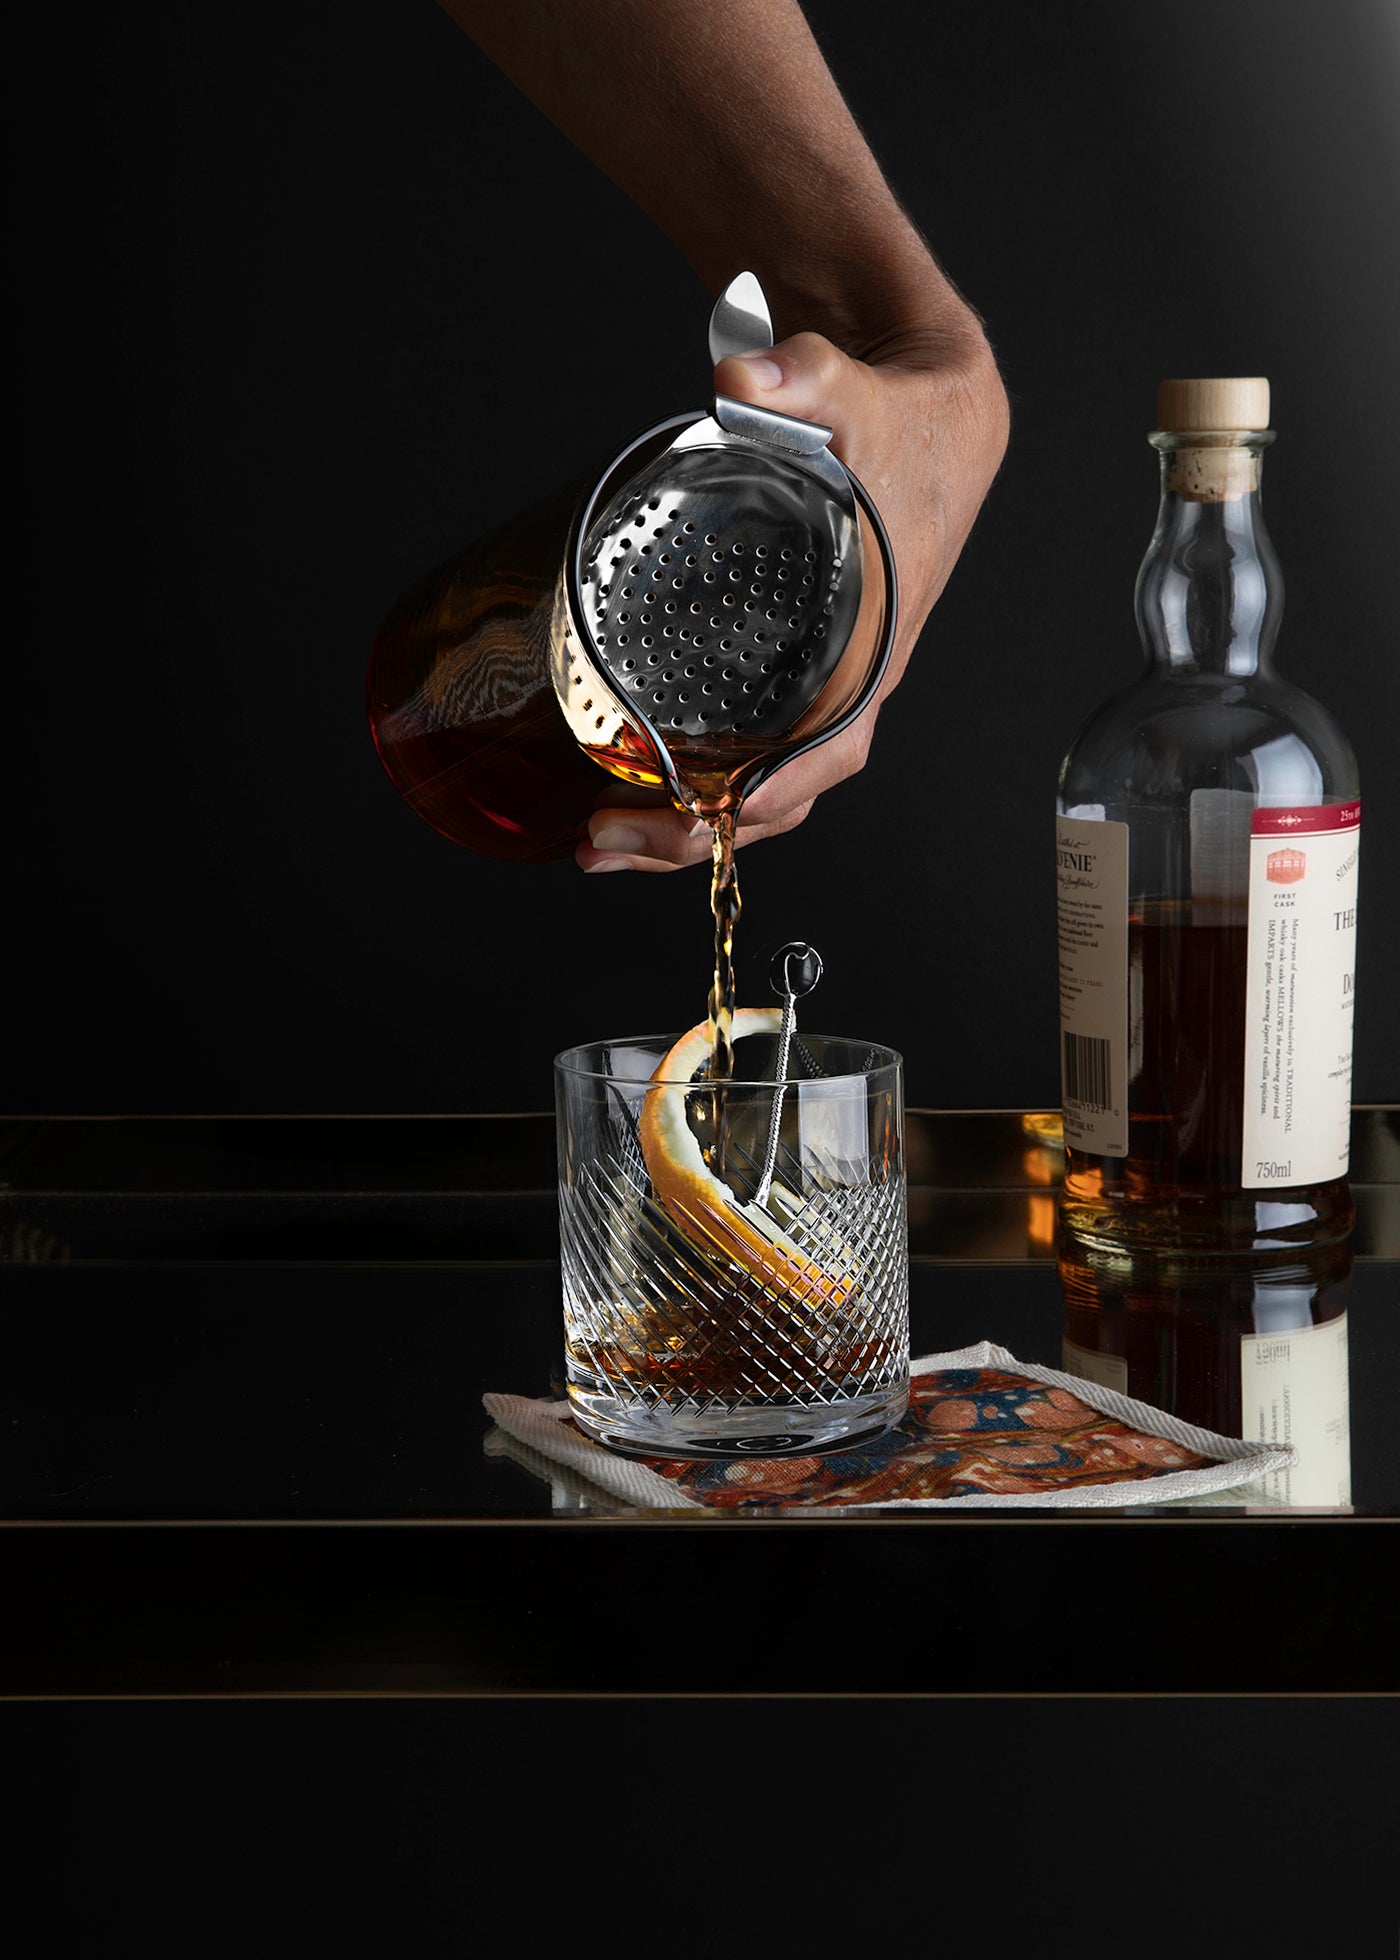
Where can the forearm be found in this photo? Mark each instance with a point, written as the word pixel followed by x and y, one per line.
pixel 723 123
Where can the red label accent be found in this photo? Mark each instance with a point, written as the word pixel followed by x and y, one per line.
pixel 1285 867
pixel 1301 822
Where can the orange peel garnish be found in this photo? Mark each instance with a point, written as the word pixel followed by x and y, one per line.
pixel 704 1207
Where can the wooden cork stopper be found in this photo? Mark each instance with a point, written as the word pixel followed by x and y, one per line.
pixel 1186 406
pixel 1207 458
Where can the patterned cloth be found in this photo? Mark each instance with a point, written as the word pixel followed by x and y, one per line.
pixel 982 1429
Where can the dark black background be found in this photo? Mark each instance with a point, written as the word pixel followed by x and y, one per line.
pixel 309 297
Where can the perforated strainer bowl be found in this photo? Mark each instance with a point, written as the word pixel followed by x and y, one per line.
pixel 727 602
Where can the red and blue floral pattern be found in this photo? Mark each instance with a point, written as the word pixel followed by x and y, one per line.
pixel 967 1431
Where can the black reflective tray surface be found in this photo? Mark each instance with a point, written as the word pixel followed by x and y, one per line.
pixel 245 1449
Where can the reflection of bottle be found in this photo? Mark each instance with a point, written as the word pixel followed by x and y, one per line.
pixel 1207 846
pixel 1257 1350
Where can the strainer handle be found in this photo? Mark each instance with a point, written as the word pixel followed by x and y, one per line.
pixel 740 321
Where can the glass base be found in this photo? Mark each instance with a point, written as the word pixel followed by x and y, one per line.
pixel 633 1427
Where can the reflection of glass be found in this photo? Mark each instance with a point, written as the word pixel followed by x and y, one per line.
pixel 1257 1350
pixel 699 1320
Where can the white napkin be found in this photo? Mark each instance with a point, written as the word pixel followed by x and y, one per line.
pixel 539 1435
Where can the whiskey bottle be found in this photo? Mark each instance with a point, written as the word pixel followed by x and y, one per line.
pixel 1207 834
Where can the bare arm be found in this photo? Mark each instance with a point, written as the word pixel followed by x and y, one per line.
pixel 722 121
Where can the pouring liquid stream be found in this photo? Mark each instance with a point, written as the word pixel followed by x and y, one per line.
pixel 726 906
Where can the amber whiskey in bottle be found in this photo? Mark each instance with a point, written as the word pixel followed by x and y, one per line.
pixel 1207 832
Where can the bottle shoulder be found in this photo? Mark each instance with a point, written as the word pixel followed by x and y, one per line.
pixel 1165 735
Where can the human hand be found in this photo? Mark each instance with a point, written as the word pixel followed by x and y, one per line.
pixel 921 420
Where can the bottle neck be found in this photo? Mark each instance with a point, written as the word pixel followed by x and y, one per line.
pixel 1210 593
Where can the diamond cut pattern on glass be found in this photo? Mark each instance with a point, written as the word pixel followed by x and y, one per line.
pixel 672 1326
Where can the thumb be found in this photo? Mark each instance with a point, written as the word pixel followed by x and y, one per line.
pixel 806 376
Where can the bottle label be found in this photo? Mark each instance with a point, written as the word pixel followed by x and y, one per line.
pixel 1294 1388
pixel 1300 995
pixel 1092 860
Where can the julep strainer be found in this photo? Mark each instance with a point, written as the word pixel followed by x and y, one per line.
pixel 727 599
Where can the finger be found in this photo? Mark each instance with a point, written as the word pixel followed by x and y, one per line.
pixel 641 853
pixel 799 782
pixel 805 376
pixel 632 838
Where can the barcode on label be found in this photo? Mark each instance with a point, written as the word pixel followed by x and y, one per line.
pixel 1086 1071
